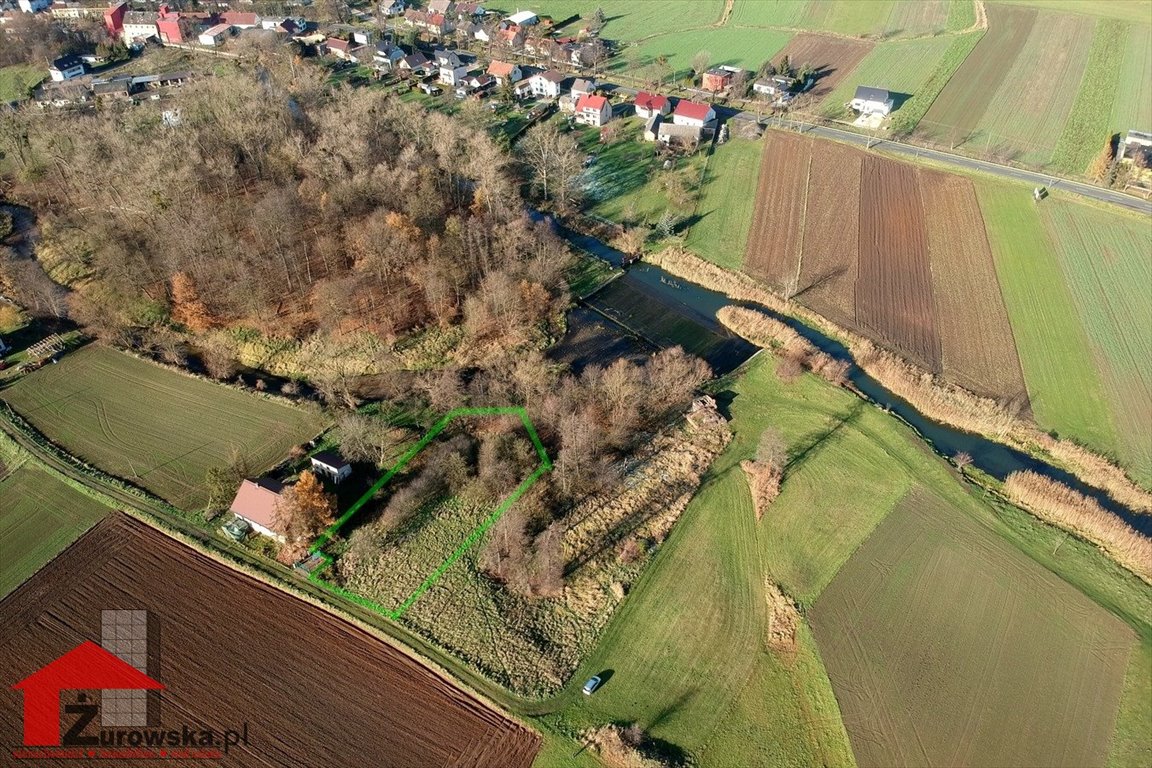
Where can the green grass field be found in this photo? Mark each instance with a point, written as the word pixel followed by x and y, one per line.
pixel 1132 106
pixel 633 21
pixel 152 426
pixel 860 18
pixel 901 66
pixel 1064 384
pixel 746 47
pixel 17 81
pixel 1105 260
pixel 39 515
pixel 727 202
pixel 949 646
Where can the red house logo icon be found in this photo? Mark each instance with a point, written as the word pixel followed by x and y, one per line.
pixel 85 667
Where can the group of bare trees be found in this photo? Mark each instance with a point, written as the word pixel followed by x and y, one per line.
pixel 278 203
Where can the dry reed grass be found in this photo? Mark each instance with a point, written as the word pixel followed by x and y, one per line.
pixel 935 398
pixel 1072 511
pixel 783 620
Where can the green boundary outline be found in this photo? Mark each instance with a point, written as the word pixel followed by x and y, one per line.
pixel 544 466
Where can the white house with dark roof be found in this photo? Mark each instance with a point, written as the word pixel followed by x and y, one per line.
pixel 331 465
pixel 452 68
pixel 870 101
pixel 546 83
pixel 66 68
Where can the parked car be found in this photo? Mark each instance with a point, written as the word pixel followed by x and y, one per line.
pixel 592 684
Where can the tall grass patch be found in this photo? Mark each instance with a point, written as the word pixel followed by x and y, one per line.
pixel 1088 129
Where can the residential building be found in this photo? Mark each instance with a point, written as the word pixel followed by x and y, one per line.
pixel 387 55
pixel 331 465
pixel 505 71
pixel 114 18
pixel 649 104
pixel 868 101
pixel 693 113
pixel 392 7
pixel 416 64
pixel 593 110
pixel 137 26
pixel 66 68
pixel 452 68
pixel 717 79
pixel 582 87
pixel 255 504
pixel 546 83
pixel 777 85
pixel 240 19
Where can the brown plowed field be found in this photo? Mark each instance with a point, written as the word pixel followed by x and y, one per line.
pixel 313 689
pixel 833 58
pixel 890 250
pixel 831 234
pixel 894 285
pixel 978 350
pixel 775 239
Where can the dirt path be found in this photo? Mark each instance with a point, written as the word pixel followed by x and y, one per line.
pixel 728 4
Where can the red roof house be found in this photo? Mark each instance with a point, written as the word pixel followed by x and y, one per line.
pixel 593 110
pixel 256 502
pixel 85 667
pixel 648 104
pixel 693 113
pixel 114 18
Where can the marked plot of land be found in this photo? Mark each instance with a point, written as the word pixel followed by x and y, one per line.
pixel 947 646
pixel 833 58
pixel 157 428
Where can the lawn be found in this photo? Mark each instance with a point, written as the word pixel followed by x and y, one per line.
pixel 152 426
pixel 727 200
pixel 949 646
pixel 624 183
pixel 39 515
pixel 1064 385
pixel 17 81
pixel 1105 260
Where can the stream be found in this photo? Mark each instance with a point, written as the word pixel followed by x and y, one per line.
pixel 658 309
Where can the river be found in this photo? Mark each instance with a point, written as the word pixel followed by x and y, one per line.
pixel 658 309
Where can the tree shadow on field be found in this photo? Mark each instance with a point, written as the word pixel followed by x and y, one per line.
pixel 810 443
pixel 663 715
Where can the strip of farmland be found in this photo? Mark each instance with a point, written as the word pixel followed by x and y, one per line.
pixel 948 646
pixel 833 58
pixel 831 234
pixel 961 105
pixel 313 689
pixel 774 242
pixel 976 341
pixel 894 287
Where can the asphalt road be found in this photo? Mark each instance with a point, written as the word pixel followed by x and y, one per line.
pixel 957 161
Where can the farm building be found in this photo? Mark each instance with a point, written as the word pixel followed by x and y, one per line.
pixel 593 110
pixel 215 35
pixel 693 113
pixel 255 504
pixel 331 465
pixel 649 104
pixel 870 101
pixel 652 127
pixel 523 19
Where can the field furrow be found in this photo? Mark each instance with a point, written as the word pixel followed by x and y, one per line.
pixel 831 234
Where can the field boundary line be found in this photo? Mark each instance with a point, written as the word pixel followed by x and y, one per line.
pixel 545 465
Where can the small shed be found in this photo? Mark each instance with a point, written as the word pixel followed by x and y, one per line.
pixel 331 465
